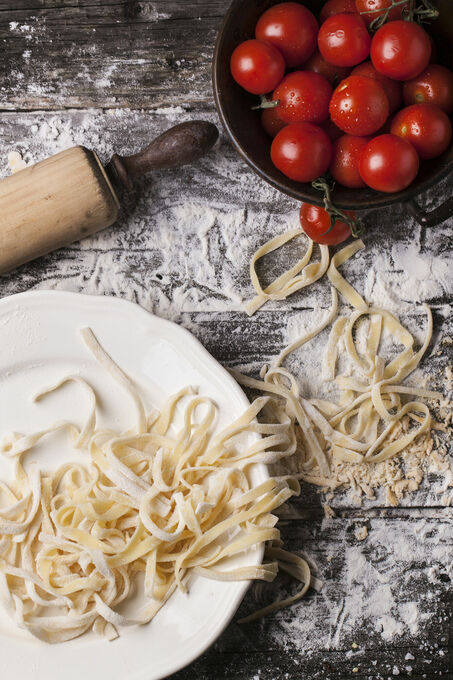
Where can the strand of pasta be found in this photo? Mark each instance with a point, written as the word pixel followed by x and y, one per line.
pixel 299 276
pixel 294 565
pixel 311 334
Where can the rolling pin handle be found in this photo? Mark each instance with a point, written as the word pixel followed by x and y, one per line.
pixel 180 145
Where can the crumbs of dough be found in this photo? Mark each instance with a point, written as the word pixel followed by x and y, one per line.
pixel 15 162
pixel 397 476
pixel 361 533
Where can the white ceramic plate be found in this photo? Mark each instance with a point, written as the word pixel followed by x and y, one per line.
pixel 40 342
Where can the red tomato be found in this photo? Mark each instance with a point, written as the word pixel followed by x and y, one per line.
pixel 271 122
pixel 369 9
pixel 333 73
pixel 343 40
pixel 433 86
pixel 303 96
pixel 388 163
pixel 359 106
pixel 301 151
pixel 344 166
pixel 316 223
pixel 392 88
pixel 337 7
pixel 257 66
pixel 426 127
pixel 290 27
pixel 400 50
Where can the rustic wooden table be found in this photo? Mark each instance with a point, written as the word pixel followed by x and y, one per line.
pixel 113 74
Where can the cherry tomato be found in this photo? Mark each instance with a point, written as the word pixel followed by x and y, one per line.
pixel 271 122
pixel 369 9
pixel 400 50
pixel 392 88
pixel 343 40
pixel 318 64
pixel 290 27
pixel 359 106
pixel 337 7
pixel 388 163
pixel 426 127
pixel 433 86
pixel 301 151
pixel 257 66
pixel 316 223
pixel 344 165
pixel 303 96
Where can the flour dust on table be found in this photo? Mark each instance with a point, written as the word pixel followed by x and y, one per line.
pixel 218 208
pixel 168 221
pixel 171 215
pixel 371 597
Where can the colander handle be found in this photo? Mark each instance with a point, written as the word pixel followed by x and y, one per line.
pixel 432 218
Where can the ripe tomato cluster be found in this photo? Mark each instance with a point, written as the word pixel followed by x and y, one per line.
pixel 365 107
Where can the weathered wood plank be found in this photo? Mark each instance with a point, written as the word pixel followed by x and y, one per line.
pixel 372 589
pixel 182 250
pixel 220 206
pixel 183 245
pixel 118 54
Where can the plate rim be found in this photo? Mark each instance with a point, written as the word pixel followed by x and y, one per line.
pixel 136 308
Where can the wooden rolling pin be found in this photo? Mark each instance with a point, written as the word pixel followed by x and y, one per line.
pixel 70 195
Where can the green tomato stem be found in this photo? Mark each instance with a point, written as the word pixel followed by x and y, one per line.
pixel 321 184
pixel 266 103
pixel 423 12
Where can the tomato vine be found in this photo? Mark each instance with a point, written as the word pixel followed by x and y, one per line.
pixel 423 12
pixel 326 186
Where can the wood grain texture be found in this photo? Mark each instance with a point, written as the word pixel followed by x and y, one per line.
pixel 270 644
pixel 117 54
pixel 136 260
pixel 106 73
pixel 58 201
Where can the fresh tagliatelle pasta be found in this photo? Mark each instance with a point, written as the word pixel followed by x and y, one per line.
pixel 162 500
pixel 376 416
pixel 300 275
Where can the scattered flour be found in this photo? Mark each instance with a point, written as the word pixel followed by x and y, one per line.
pixel 408 274
pixel 221 211
pixel 168 222
pixel 381 589
pixel 170 112
pixel 22 28
pixel 150 13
